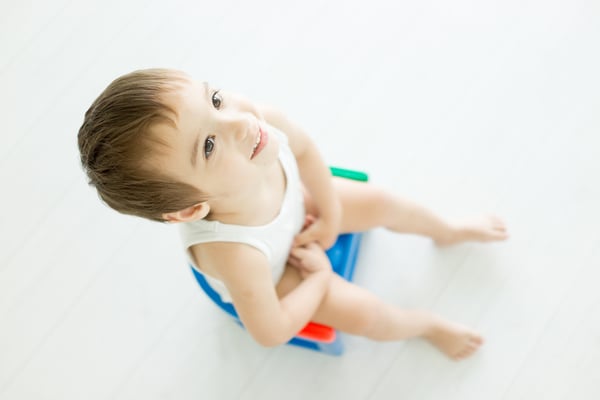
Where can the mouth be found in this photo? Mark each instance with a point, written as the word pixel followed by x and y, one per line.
pixel 262 139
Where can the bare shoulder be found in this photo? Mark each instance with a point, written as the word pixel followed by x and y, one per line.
pixel 297 137
pixel 224 260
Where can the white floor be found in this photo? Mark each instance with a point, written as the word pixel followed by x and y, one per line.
pixel 468 106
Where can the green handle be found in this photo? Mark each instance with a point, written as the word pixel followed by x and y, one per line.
pixel 349 174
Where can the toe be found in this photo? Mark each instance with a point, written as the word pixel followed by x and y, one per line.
pixel 476 339
pixel 463 354
pixel 467 352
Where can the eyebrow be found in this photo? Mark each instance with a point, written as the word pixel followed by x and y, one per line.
pixel 197 140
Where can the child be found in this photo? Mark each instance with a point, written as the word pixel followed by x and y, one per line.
pixel 256 205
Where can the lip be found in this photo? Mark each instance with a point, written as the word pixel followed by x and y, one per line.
pixel 264 139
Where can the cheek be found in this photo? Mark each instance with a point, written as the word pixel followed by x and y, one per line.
pixel 236 174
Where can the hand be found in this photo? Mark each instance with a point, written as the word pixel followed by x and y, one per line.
pixel 322 231
pixel 309 259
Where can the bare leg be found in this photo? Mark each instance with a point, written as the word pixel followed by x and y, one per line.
pixel 354 310
pixel 365 206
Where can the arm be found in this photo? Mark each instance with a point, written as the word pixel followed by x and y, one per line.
pixel 316 177
pixel 246 273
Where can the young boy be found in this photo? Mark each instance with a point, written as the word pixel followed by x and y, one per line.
pixel 256 205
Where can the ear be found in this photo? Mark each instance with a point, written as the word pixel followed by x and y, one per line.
pixel 193 213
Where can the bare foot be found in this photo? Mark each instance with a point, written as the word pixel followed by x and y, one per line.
pixel 455 341
pixel 487 228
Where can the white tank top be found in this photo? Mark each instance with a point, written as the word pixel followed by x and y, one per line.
pixel 274 239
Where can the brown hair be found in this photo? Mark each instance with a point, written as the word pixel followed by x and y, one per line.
pixel 115 141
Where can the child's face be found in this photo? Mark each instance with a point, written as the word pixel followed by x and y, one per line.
pixel 214 146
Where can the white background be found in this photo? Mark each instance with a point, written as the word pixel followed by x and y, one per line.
pixel 468 106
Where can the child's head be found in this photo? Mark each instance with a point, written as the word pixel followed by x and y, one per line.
pixel 116 139
pixel 159 145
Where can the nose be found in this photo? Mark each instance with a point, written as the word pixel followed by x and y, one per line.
pixel 241 116
pixel 238 126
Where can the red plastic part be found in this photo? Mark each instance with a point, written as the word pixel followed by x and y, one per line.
pixel 317 332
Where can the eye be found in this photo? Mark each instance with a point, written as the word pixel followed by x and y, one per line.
pixel 209 146
pixel 217 99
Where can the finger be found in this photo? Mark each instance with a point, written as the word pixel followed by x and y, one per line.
pixel 298 253
pixel 292 256
pixel 294 262
pixel 296 258
pixel 328 243
pixel 312 246
pixel 304 238
pixel 308 221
